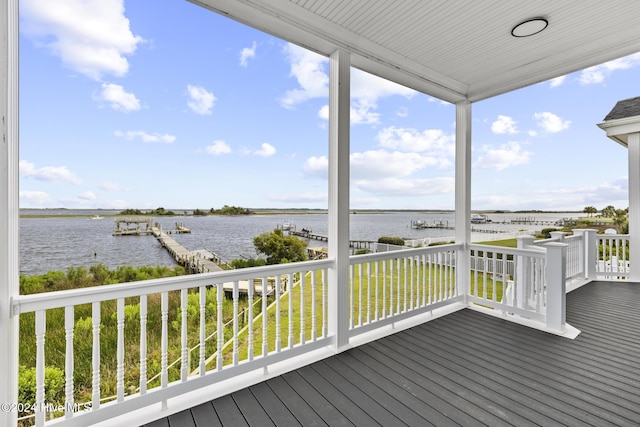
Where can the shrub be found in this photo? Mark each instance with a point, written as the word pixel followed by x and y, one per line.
pixel 391 240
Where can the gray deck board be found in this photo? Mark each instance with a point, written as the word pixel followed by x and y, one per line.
pixel 463 369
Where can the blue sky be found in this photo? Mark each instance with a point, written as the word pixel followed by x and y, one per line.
pixel 142 104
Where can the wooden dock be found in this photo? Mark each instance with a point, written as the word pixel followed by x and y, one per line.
pixel 356 244
pixel 193 261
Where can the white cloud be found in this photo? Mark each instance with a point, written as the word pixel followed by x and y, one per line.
pixel 431 141
pixel 108 186
pixel 90 37
pixel 39 198
pixel 313 82
pixel 308 69
pixel 118 98
pixel 614 193
pixel 266 150
pixel 298 197
pixel 218 147
pixel 550 122
pixel 502 157
pixel 145 137
pixel 378 164
pixel 316 166
pixel 48 173
pixel 599 73
pixel 558 81
pixel 200 100
pixel 504 124
pixel 246 54
pixel 87 195
pixel 408 187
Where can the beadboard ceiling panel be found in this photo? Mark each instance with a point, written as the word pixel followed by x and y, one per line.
pixel 452 49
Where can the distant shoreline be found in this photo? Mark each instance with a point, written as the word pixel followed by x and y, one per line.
pixel 81 213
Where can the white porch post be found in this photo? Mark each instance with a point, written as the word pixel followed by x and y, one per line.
pixel 339 151
pixel 556 286
pixel 463 195
pixel 633 144
pixel 9 214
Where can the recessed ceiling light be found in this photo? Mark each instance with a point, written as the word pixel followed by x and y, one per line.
pixel 529 27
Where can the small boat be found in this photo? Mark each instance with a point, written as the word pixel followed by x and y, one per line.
pixel 287 226
pixel 480 219
pixel 97 217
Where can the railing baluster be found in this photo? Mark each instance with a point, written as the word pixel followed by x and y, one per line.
pixel 250 319
pixel 360 285
pixel 418 280
pixel 303 336
pixel 351 301
pixel 265 341
pixel 202 332
pixel 368 292
pixel 398 285
pixel 184 362
pixel 95 357
pixel 324 304
pixel 143 344
pixel 290 311
pixel 384 288
pixel 377 281
pixel 278 333
pixel 41 327
pixel 313 304
pixel 405 280
pixel 220 330
pixel 120 351
pixel 164 342
pixel 69 323
pixel 235 295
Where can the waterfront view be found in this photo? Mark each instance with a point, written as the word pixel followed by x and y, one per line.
pixel 59 239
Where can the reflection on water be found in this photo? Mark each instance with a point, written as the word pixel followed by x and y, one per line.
pixel 56 243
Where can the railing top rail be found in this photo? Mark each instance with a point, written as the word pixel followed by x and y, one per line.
pixel 378 256
pixel 529 251
pixel 44 301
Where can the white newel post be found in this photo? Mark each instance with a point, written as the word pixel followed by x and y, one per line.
pixel 590 253
pixel 9 215
pixel 339 151
pixel 463 196
pixel 556 286
pixel 588 250
pixel 558 236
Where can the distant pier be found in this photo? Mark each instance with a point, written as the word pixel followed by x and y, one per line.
pixel 307 234
pixel 194 262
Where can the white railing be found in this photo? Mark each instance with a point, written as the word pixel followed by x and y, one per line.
pixel 612 256
pixel 165 320
pixel 162 319
pixel 387 287
pixel 527 282
pixel 510 280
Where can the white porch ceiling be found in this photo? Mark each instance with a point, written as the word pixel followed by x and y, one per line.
pixel 451 49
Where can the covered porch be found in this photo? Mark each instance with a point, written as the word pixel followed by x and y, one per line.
pixel 462 369
pixel 346 321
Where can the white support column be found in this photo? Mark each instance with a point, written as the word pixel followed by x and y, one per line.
pixel 633 144
pixel 339 152
pixel 463 194
pixel 556 286
pixel 9 208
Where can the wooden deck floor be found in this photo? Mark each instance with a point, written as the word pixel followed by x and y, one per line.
pixel 466 369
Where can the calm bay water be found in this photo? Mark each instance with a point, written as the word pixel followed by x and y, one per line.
pixel 56 243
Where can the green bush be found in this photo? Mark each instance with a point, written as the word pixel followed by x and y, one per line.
pixel 391 240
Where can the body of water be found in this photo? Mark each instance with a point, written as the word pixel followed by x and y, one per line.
pixel 56 242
